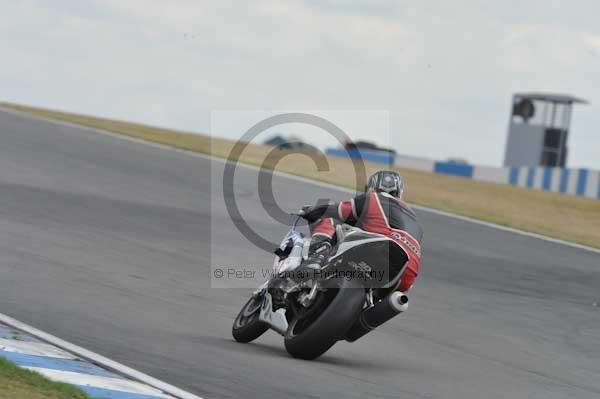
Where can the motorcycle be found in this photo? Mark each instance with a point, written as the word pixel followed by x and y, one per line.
pixel 313 309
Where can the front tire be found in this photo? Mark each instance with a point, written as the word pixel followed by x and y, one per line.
pixel 310 342
pixel 247 326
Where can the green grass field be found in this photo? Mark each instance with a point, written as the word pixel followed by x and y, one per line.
pixel 556 215
pixel 18 383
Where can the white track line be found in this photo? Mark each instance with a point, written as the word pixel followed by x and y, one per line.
pixel 302 179
pixel 34 348
pixel 98 359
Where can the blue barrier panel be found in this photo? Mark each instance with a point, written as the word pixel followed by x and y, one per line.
pixel 564 180
pixel 547 180
pixel 598 196
pixel 513 178
pixel 581 181
pixel 456 169
pixel 366 155
pixel 530 176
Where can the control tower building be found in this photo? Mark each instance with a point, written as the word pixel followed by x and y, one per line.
pixel 539 129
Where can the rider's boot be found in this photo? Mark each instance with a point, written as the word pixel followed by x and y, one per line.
pixel 318 252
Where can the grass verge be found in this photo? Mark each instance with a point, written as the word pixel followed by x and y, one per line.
pixel 571 218
pixel 18 383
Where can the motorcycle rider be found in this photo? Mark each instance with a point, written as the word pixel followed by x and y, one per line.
pixel 380 209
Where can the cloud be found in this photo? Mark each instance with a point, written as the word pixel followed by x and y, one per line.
pixel 592 40
pixel 445 71
pixel 381 8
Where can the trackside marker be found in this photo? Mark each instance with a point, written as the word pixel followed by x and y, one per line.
pixel 98 359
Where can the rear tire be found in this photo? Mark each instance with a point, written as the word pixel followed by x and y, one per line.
pixel 247 326
pixel 330 326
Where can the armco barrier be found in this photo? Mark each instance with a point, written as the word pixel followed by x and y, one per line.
pixel 583 182
pixel 367 155
pixel 456 169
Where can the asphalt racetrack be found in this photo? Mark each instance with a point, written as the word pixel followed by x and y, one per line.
pixel 109 244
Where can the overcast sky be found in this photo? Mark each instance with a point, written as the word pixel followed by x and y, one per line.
pixel 444 70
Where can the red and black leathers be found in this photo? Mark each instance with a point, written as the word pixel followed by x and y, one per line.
pixel 375 212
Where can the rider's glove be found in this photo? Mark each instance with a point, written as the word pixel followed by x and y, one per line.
pixel 312 214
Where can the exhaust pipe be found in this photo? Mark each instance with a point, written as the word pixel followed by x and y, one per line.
pixel 376 315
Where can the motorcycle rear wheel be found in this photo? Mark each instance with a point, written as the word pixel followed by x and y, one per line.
pixel 247 326
pixel 311 341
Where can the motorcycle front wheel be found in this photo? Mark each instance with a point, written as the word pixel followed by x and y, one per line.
pixel 313 332
pixel 247 326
